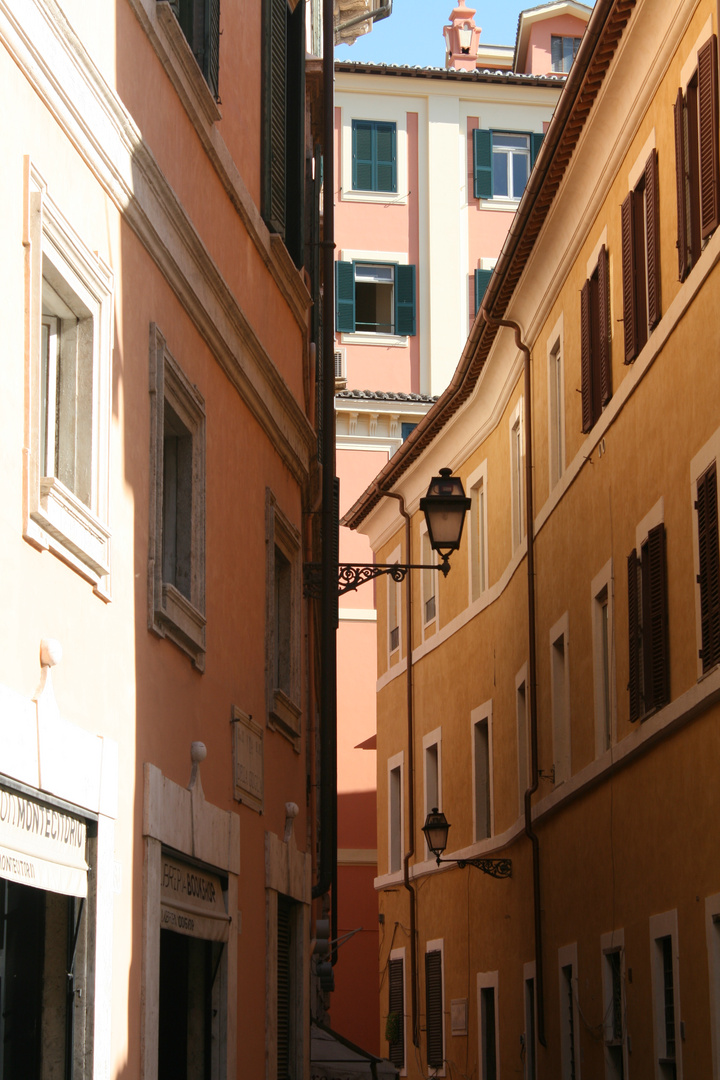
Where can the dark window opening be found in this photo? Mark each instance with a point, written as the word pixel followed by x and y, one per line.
pixel 595 360
pixel 433 1009
pixel 177 503
pixel 396 1014
pixel 200 23
pixel 709 567
pixel 487 1033
pixel 649 682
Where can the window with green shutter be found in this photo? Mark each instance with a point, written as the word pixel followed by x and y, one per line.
pixel 482 280
pixel 375 298
pixel 502 161
pixel 200 23
pixel 374 155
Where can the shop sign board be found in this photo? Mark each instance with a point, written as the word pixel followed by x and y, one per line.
pixel 192 901
pixel 41 845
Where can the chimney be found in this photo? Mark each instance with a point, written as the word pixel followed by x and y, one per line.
pixel 462 38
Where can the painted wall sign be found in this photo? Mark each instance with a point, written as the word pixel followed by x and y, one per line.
pixel 248 760
pixel 41 845
pixel 191 901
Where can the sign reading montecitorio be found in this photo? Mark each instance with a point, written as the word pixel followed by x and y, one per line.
pixel 191 901
pixel 41 845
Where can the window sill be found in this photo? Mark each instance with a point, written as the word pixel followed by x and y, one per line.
pixel 285 715
pixel 182 623
pixel 67 527
pixel 384 198
pixel 393 341
pixel 506 205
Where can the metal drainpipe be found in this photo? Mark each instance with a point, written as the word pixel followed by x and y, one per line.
pixel 411 770
pixel 532 673
pixel 327 876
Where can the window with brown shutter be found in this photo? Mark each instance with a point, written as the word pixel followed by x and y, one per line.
pixel 595 359
pixel 709 566
pixel 433 1009
pixel 640 218
pixel 649 676
pixel 697 158
pixel 396 1013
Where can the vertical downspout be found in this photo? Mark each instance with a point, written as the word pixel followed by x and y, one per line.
pixel 532 672
pixel 410 770
pixel 327 870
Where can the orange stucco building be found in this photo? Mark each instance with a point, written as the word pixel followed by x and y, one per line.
pixel 563 679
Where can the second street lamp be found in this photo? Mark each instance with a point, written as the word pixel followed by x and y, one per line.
pixel 444 506
pixel 436 833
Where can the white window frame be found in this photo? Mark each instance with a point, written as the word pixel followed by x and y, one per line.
pixel 284 705
pixel 522 722
pixel 610 943
pixel 712 933
pixel 556 404
pixel 478 576
pixel 510 152
pixel 171 614
pixel 483 713
pixel 699 464
pixel 430 582
pixel 396 811
pixel 517 474
pixel 355 107
pixel 432 785
pixel 662 926
pixel 55 519
pixel 487 980
pixel 438 945
pixel 560 683
pixel 357 255
pixel 567 958
pixel 394 610
pixel 602 592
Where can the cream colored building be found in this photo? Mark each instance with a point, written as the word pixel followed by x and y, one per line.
pixel 563 680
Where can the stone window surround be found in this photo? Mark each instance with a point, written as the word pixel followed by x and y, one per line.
pixel 55 519
pixel 170 613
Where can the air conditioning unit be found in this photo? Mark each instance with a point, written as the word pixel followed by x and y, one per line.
pixel 340 369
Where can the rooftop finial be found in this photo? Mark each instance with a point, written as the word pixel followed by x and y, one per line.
pixel 462 37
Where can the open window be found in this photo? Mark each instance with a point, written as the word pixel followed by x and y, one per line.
pixel 649 682
pixel 375 298
pixel 200 23
pixel 502 161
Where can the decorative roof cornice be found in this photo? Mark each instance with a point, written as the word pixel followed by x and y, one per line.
pixel 384 395
pixel 606 25
pixel 515 78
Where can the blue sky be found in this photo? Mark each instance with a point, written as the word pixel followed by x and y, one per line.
pixel 413 33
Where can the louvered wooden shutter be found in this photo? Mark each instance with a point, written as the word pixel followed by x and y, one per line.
pixel 604 326
pixel 274 99
pixel 405 300
pixel 536 139
pixel 708 137
pixel 681 184
pixel 397 1006
pixel 433 1008
pixel 655 620
pixel 482 164
pixel 653 239
pixel 284 987
pixel 345 298
pixel 633 636
pixel 362 155
pixel 385 171
pixel 628 278
pixel 482 280
pixel 586 358
pixel 709 566
pixel 213 67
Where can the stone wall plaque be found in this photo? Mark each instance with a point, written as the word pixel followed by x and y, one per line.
pixel 248 760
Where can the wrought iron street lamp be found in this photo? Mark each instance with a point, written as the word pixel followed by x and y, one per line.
pixel 436 833
pixel 444 506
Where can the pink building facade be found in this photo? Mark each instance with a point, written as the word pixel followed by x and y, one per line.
pixel 430 165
